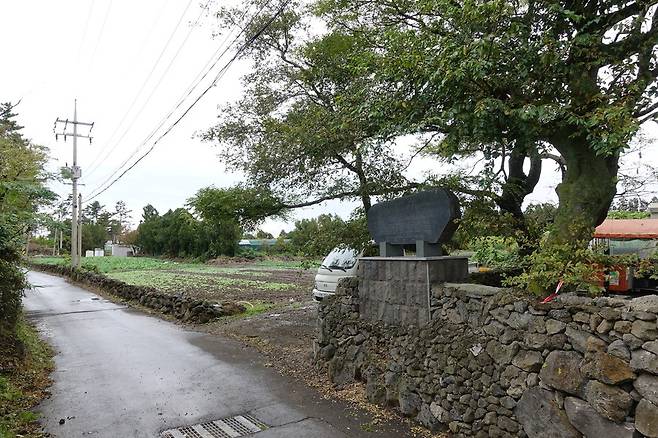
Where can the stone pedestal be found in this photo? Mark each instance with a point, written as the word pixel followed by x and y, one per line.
pixel 397 290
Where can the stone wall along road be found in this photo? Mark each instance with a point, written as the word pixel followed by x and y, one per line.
pixel 494 362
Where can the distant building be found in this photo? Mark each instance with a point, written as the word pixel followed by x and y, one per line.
pixel 118 250
pixel 96 252
pixel 258 244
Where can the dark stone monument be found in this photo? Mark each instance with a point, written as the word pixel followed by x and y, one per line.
pixel 398 289
pixel 425 219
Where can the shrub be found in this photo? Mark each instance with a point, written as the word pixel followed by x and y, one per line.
pixel 579 268
pixel 545 268
pixel 501 253
pixel 12 283
pixel 12 278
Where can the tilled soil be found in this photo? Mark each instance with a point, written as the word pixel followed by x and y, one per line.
pixel 301 285
pixel 272 286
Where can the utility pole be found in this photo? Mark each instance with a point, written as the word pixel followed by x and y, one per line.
pixel 76 173
pixel 79 230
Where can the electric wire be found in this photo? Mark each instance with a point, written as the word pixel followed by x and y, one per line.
pixel 100 34
pixel 156 129
pixel 210 65
pixel 219 75
pixel 217 56
pixel 86 29
pixel 95 163
pixel 138 95
pixel 162 76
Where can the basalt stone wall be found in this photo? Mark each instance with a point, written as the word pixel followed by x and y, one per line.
pixel 184 308
pixel 493 362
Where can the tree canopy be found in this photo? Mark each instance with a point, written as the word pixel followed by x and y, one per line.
pixel 296 131
pixel 571 80
pixel 22 191
pixel 512 83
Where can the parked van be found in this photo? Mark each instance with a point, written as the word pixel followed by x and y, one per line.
pixel 340 263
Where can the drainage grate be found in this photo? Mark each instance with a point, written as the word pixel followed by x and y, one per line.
pixel 231 427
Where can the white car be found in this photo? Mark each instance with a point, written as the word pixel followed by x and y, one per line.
pixel 340 263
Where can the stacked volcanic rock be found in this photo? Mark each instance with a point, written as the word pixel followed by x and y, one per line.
pixel 494 362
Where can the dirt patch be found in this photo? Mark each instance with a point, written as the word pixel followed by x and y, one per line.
pixel 289 327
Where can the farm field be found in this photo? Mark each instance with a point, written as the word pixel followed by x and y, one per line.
pixel 263 283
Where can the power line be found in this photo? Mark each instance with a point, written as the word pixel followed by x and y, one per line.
pixel 139 93
pixel 157 85
pixel 193 85
pixel 219 75
pixel 100 34
pixel 152 28
pixel 86 29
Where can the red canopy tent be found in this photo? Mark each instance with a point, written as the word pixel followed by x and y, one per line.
pixel 627 229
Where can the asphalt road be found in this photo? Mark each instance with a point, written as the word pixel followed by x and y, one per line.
pixel 121 373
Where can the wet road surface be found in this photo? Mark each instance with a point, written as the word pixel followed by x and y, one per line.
pixel 121 373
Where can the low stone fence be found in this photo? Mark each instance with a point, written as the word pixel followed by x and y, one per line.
pixel 493 362
pixel 184 308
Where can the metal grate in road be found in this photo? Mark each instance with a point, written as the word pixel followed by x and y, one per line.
pixel 232 427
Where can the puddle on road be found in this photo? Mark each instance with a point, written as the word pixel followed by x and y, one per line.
pixel 89 300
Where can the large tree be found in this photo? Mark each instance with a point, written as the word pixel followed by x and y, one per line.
pixel 571 80
pixel 294 132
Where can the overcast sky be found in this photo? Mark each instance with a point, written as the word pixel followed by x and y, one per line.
pixel 104 53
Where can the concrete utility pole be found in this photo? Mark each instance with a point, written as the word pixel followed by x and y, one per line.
pixel 76 173
pixel 79 230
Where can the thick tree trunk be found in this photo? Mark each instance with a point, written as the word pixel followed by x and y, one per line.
pixel 517 186
pixel 585 193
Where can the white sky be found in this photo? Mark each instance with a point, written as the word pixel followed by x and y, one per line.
pixel 101 51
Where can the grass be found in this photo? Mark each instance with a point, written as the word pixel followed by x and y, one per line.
pixel 256 308
pixel 111 264
pixel 115 264
pixel 176 281
pixel 22 388
pixel 266 280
